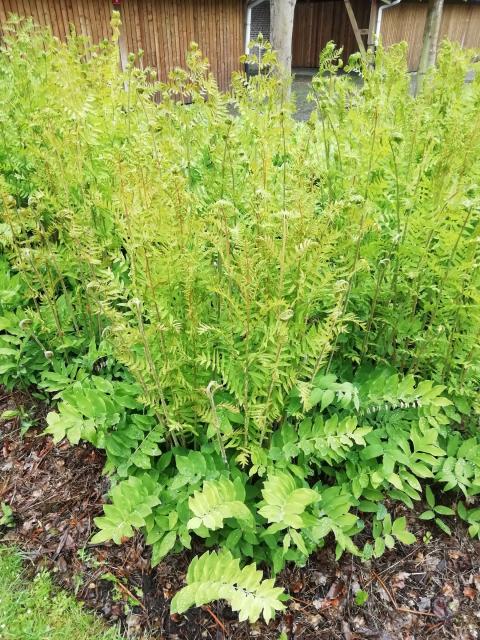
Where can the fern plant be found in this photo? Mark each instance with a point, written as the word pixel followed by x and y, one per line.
pixel 270 327
pixel 132 502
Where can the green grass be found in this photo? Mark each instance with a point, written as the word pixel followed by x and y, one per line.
pixel 35 610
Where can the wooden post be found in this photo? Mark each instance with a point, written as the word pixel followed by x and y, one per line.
pixel 282 14
pixel 122 40
pixel 356 30
pixel 372 23
pixel 430 39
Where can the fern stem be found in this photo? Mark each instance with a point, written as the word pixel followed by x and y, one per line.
pixel 273 380
pixel 246 369
pixel 327 158
pixel 210 390
pixel 50 300
pixel 372 310
pixel 284 147
pixel 153 369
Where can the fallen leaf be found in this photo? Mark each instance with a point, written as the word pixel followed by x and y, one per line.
pixel 336 590
pixel 430 562
pixel 134 626
pixel 29 524
pixel 358 621
pixel 313 620
pixel 424 604
pixel 326 603
pixel 296 586
pixel 383 594
pixel 62 564
pixel 447 590
pixel 365 632
pixel 440 607
pixel 347 633
pixel 454 605
pixel 470 592
pixel 168 592
pixel 398 580
pixel 319 577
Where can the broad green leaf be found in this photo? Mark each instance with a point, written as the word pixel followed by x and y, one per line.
pixel 405 537
pixel 427 515
pixel 430 497
pixel 162 547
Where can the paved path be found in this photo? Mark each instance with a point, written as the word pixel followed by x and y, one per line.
pixel 302 83
pixel 300 88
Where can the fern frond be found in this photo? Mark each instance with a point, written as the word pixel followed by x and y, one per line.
pixel 284 501
pixel 215 576
pixel 132 502
pixel 218 500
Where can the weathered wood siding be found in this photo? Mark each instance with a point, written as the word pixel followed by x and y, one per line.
pixel 406 21
pixel 88 17
pixel 162 28
pixel 318 22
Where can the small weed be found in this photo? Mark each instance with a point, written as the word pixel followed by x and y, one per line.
pixel 6 518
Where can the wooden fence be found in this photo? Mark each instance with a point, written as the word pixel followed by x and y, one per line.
pixel 406 21
pixel 162 28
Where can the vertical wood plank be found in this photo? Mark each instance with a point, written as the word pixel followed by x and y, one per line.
pixel 129 21
pixel 122 40
pixel 372 23
pixel 106 9
pixel 64 18
pixel 155 41
pixel 167 65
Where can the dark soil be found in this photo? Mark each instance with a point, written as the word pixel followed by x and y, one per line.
pixel 428 590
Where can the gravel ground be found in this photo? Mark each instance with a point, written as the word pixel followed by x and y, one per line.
pixel 300 88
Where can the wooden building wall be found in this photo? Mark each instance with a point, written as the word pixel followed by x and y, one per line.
pixel 318 22
pixel 162 28
pixel 406 21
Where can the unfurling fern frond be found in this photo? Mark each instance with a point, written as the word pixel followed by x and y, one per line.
pixel 215 576
pixel 219 499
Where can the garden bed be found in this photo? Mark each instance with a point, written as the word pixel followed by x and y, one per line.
pixel 257 339
pixel 430 590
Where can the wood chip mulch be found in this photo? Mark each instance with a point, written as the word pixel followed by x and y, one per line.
pixel 427 590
